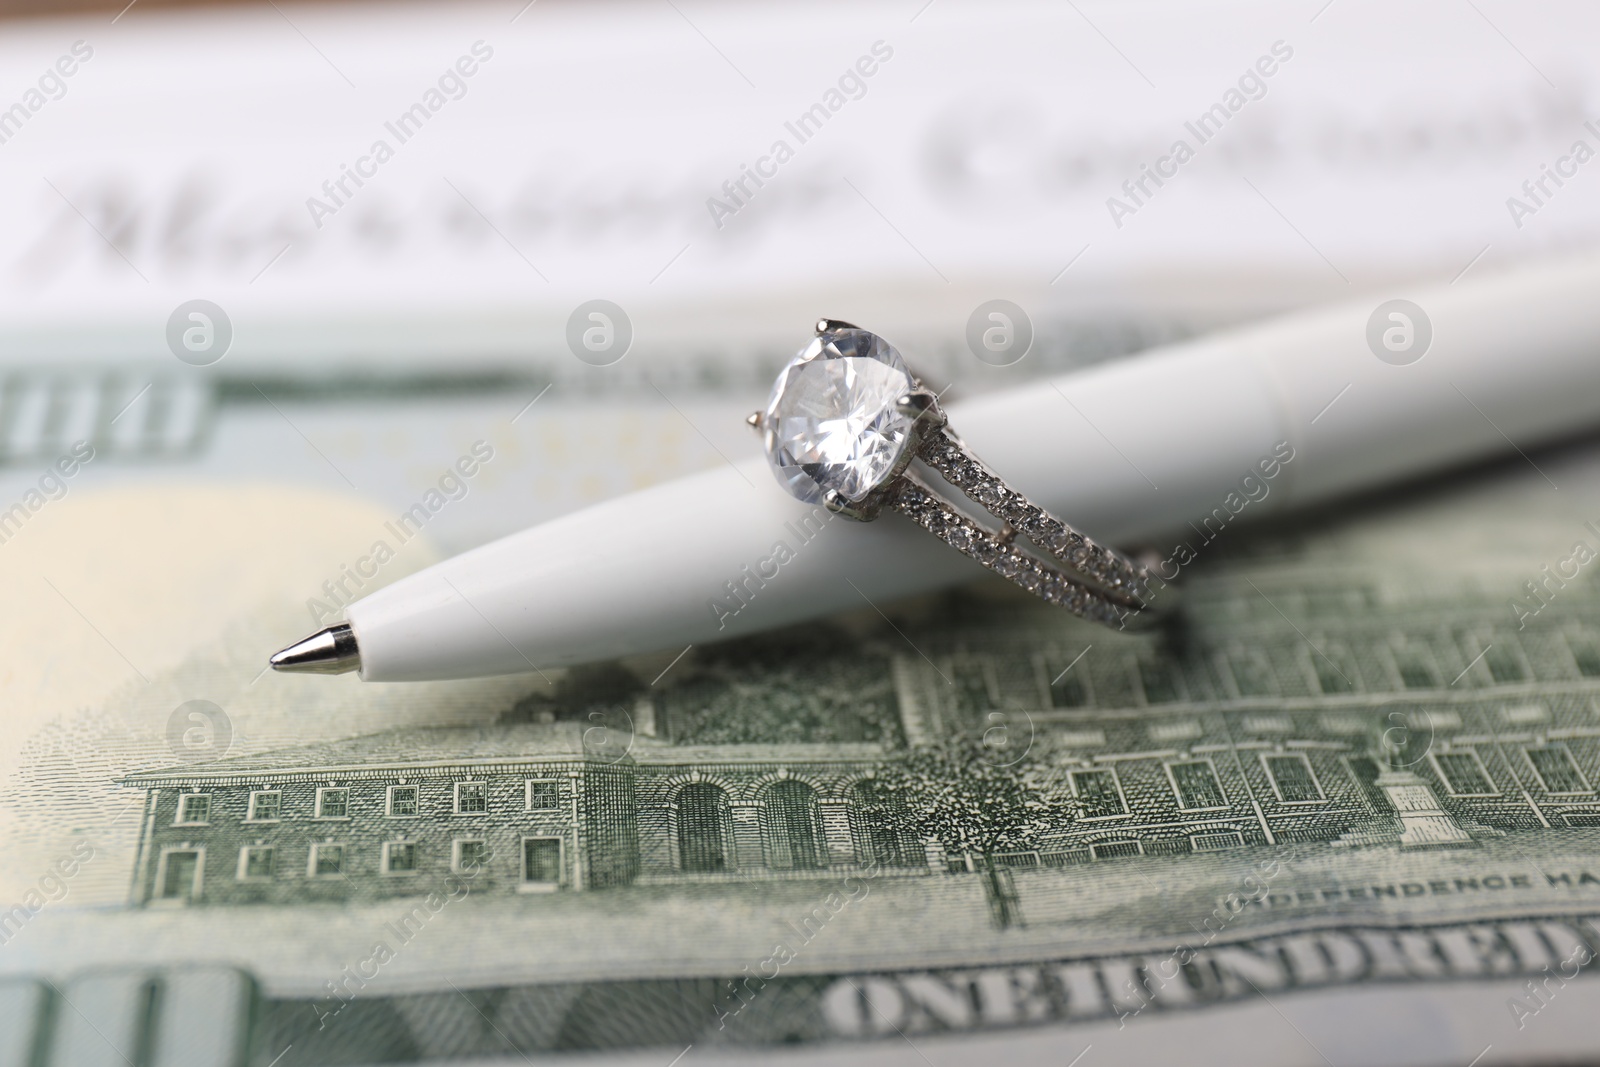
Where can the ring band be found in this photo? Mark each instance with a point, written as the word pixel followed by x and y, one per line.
pixel 846 419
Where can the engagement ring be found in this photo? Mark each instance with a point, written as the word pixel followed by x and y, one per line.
pixel 844 423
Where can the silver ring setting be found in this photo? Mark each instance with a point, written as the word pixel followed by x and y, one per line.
pixel 842 428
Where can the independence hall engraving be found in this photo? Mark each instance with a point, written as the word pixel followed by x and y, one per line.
pixel 1372 723
pixel 522 808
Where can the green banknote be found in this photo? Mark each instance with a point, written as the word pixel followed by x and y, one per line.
pixel 1344 810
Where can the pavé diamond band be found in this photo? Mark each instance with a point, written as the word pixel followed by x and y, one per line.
pixel 846 419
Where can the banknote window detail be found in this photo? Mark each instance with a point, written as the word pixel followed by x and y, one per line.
pixel 399 857
pixel 256 862
pixel 544 795
pixel 1504 665
pixel 1220 841
pixel 877 818
pixel 1065 680
pixel 1557 770
pixel 791 826
pixel 333 803
pixel 179 875
pixel 1017 859
pixel 1464 774
pixel 703 824
pixel 1334 672
pixel 194 809
pixel 1106 850
pixel 1098 793
pixel 1067 857
pixel 541 861
pixel 472 798
pixel 266 806
pixel 1585 655
pixel 471 854
pixel 1252 674
pixel 1160 681
pixel 1069 692
pixel 327 860
pixel 975 689
pixel 402 801
pixel 1415 669
pixel 1195 782
pixel 1293 779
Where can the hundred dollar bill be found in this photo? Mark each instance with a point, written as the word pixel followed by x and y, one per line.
pixel 1346 813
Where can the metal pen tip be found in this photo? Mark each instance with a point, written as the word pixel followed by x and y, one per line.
pixel 330 651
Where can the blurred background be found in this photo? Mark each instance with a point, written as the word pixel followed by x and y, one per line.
pixel 376 309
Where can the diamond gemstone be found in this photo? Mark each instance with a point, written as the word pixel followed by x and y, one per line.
pixel 832 421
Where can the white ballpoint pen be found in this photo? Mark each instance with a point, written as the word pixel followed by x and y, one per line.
pixel 1359 395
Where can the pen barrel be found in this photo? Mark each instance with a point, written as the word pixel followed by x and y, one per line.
pixel 1165 447
pixel 1513 363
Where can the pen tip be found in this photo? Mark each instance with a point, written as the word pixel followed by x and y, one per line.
pixel 329 651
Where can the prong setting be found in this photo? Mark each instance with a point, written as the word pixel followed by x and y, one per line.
pixel 921 404
pixel 864 510
pixel 753 420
